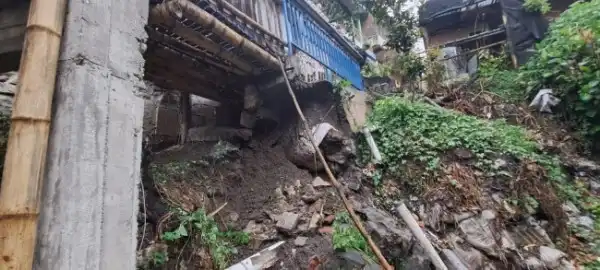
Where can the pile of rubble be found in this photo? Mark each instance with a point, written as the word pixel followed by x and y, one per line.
pixel 8 88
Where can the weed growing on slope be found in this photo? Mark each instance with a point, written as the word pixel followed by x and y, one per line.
pixel 419 143
pixel 420 133
pixel 346 237
pixel 198 224
pixel 162 173
pixel 567 60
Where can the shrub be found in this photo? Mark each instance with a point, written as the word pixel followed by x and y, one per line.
pixel 568 61
pixel 418 132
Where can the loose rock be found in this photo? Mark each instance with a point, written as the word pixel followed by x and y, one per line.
pixel 318 182
pixel 551 257
pixel 595 187
pixel 287 222
pixel 387 231
pixel 300 241
pixel 570 208
pixel 314 221
pixel 584 222
pixel 479 235
pixel 463 154
pixel 472 258
pixel 533 263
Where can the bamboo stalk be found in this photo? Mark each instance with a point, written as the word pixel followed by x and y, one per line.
pixel 28 137
pixel 185 8
pixel 334 182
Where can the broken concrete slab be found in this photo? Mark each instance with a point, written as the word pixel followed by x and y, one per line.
pixel 287 222
pixel 318 182
pixel 314 221
pixel 478 233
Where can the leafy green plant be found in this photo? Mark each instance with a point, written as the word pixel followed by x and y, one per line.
pixel 407 67
pixel 376 70
pixel 419 132
pixel 541 6
pixel 434 69
pixel 346 237
pixel 220 244
pixel 159 258
pixel 221 150
pixel 568 61
pixel 497 76
pixel 162 173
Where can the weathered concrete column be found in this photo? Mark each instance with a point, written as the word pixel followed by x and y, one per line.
pixel 90 199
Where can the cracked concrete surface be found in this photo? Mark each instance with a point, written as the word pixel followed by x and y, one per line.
pixel 90 197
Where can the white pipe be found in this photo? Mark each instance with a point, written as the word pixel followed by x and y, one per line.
pixel 372 145
pixel 418 233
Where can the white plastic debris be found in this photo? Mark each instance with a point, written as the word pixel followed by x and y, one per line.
pixel 544 100
pixel 261 260
pixel 320 131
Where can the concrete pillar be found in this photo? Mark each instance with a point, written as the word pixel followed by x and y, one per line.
pixel 90 198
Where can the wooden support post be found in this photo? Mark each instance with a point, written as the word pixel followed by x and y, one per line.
pixel 185 113
pixel 25 159
pixel 513 57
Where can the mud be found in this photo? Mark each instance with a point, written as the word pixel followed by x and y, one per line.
pixel 251 182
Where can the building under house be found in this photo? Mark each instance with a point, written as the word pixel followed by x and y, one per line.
pixel 462 27
pixel 120 58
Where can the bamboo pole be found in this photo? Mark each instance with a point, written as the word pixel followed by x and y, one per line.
pixel 185 8
pixel 28 137
pixel 355 219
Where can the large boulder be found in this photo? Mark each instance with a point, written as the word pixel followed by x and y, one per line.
pixel 337 148
pixel 387 232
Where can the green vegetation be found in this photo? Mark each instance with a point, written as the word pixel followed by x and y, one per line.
pixel 161 173
pixel 159 258
pixel 411 131
pixel 346 237
pixel 498 77
pixel 221 244
pixel 567 61
pixel 541 6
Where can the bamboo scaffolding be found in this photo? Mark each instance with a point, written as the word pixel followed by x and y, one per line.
pixel 184 8
pixel 28 137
